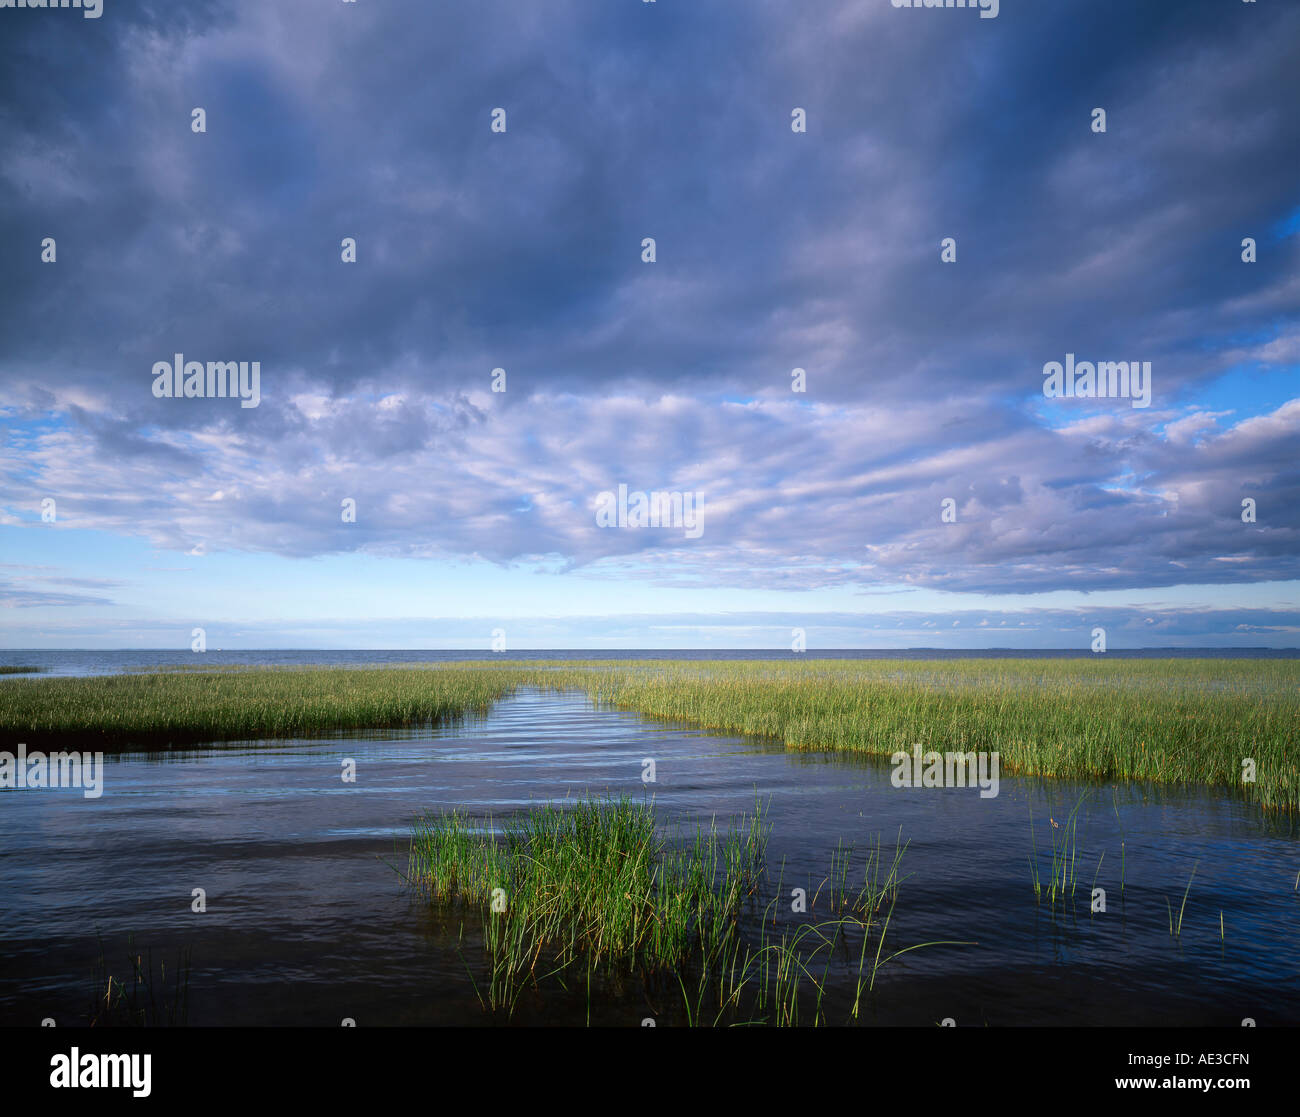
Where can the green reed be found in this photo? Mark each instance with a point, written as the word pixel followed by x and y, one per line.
pixel 1163 721
pixel 146 996
pixel 1176 928
pixel 161 710
pixel 1166 721
pixel 1064 877
pixel 592 888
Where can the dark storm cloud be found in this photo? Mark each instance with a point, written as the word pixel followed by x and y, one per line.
pixel 776 250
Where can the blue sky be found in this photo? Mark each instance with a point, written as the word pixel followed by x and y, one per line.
pixel 775 250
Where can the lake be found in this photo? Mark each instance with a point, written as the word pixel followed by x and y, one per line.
pixel 309 921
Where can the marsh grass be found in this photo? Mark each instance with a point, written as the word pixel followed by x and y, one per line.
pixel 1176 928
pixel 590 882
pixel 143 997
pixel 11 670
pixel 166 710
pixel 593 889
pixel 1164 721
pixel 1123 843
pixel 1063 875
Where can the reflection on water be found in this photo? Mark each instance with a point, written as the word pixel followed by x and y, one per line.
pixel 308 920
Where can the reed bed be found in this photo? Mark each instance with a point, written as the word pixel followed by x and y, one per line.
pixel 1167 721
pixel 592 889
pixel 590 882
pixel 162 710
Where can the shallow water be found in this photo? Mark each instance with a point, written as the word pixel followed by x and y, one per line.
pixel 308 922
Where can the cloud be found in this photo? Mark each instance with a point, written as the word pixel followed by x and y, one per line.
pixel 795 496
pixel 776 250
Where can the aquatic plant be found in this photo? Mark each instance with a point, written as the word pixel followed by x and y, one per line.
pixel 144 998
pixel 1176 929
pixel 162 710
pixel 581 890
pixel 1165 721
pixel 1063 877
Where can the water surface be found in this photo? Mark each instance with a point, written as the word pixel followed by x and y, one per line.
pixel 308 922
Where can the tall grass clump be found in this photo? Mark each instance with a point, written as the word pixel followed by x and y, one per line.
pixel 145 996
pixel 1163 721
pixel 593 890
pixel 592 882
pixel 1063 876
pixel 161 710
pixel 1166 721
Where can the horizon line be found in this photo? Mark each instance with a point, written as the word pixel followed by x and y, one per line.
pixel 810 654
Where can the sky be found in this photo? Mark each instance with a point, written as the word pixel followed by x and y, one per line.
pixel 802 171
